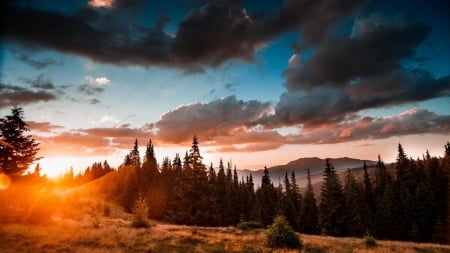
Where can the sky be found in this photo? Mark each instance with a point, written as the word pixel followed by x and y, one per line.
pixel 259 82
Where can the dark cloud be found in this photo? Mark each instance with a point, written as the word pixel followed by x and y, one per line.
pixel 210 35
pixel 375 49
pixel 222 117
pixel 413 121
pixel 36 63
pixel 11 95
pixel 89 90
pixel 41 82
pixel 94 101
pixel 321 106
pixel 345 75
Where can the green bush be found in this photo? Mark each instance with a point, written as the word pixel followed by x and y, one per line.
pixel 248 225
pixel 140 212
pixel 281 235
pixel 370 241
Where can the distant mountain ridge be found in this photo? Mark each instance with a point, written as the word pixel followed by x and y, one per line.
pixel 314 164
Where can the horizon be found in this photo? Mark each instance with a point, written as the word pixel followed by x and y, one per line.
pixel 260 84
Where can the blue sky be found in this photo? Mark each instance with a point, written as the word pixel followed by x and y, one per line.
pixel 279 80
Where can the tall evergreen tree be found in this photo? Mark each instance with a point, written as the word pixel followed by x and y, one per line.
pixel 332 210
pixel 289 204
pixel 308 220
pixel 369 201
pixel 193 202
pixel 149 165
pixel 17 150
pixel 267 199
pixel 357 209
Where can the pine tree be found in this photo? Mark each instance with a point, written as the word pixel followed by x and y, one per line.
pixel 149 169
pixel 193 202
pixel 332 210
pixel 17 150
pixel 267 199
pixel 369 201
pixel 289 204
pixel 357 209
pixel 134 156
pixel 308 220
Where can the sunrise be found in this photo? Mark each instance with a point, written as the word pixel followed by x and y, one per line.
pixel 123 105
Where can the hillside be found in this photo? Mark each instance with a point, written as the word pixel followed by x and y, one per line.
pixel 116 236
pixel 314 164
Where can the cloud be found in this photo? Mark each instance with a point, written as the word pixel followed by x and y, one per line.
pixel 344 75
pixel 11 95
pixel 222 117
pixel 36 63
pixel 90 90
pixel 98 80
pixel 248 148
pixel 44 127
pixel 41 82
pixel 414 121
pixel 93 101
pixel 91 141
pixel 382 44
pixel 208 36
pixel 101 3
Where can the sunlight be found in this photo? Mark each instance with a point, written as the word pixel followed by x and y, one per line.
pixel 54 167
pixel 5 181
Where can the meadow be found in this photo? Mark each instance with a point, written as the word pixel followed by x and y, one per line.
pixel 114 234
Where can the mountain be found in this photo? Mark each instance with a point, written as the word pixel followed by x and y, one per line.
pixel 314 164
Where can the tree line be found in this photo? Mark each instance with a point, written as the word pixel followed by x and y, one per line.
pixel 405 201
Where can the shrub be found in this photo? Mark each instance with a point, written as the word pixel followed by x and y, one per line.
pixel 281 235
pixel 248 225
pixel 140 211
pixel 369 241
pixel 106 211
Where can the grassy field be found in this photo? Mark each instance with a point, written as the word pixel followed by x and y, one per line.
pixel 116 235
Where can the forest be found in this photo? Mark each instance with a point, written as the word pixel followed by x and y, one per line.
pixel 406 200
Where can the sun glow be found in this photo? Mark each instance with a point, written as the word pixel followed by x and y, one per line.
pixel 55 167
pixel 5 181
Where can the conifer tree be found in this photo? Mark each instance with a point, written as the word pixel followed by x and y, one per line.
pixel 332 210
pixel 289 204
pixel 149 166
pixel 357 209
pixel 308 220
pixel 17 150
pixel 193 202
pixel 267 199
pixel 369 201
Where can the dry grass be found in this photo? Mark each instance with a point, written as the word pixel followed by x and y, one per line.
pixel 115 236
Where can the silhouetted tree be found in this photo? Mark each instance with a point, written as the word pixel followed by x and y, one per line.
pixel 267 199
pixel 357 209
pixel 332 210
pixel 17 150
pixel 308 220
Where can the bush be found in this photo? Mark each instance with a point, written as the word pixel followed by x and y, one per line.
pixel 248 225
pixel 106 211
pixel 370 241
pixel 281 235
pixel 140 211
